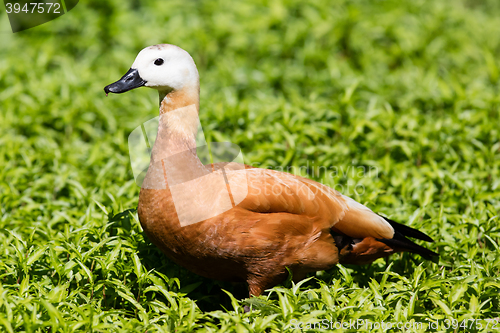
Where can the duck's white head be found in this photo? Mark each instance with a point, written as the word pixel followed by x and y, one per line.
pixel 163 67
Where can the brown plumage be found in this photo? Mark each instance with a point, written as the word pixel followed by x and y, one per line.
pixel 283 221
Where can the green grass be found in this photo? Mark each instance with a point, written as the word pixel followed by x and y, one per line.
pixel 406 89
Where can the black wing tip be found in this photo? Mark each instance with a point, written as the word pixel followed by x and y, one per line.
pixel 408 231
pixel 400 241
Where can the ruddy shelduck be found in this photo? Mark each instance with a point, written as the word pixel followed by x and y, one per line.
pixel 232 222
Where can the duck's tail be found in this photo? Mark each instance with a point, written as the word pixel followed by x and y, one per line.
pixel 399 240
pixel 366 250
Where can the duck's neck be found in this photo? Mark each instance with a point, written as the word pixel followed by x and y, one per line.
pixel 176 99
pixel 178 122
pixel 174 152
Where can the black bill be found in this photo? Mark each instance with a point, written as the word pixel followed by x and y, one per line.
pixel 129 81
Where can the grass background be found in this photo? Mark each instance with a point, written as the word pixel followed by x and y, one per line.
pixel 408 89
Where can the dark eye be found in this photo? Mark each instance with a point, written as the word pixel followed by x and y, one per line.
pixel 159 62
